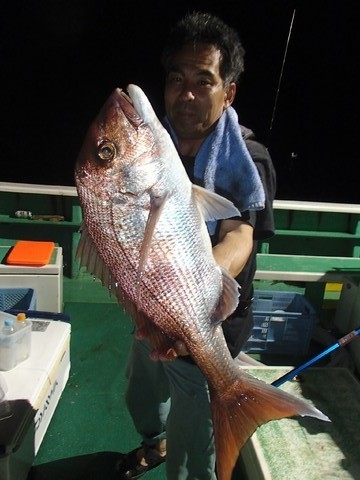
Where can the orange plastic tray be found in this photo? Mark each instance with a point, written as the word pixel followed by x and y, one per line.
pixel 30 253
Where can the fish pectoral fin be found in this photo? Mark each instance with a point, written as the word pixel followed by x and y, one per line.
pixel 247 404
pixel 212 205
pixel 229 298
pixel 156 208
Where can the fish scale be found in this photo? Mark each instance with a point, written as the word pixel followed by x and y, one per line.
pixel 145 223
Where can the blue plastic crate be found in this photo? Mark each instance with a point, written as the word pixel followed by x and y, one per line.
pixel 283 323
pixel 17 298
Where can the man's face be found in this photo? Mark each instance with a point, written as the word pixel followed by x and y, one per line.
pixel 195 95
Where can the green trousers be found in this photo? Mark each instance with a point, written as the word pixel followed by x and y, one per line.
pixel 171 400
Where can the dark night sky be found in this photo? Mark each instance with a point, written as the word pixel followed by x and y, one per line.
pixel 61 59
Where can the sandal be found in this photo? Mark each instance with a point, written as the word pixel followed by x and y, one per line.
pixel 130 468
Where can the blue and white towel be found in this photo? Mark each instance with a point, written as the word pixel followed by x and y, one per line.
pixel 223 164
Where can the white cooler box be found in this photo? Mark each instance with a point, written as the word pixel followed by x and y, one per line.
pixel 34 388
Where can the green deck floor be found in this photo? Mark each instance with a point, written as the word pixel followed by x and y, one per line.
pixel 91 427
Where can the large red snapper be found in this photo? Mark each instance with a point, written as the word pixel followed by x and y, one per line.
pixel 144 235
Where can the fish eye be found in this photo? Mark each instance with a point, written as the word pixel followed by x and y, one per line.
pixel 106 151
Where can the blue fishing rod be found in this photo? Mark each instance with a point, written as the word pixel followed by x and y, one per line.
pixel 340 343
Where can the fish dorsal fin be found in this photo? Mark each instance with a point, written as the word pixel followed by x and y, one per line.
pixel 214 206
pixel 229 298
pixel 156 207
pixel 91 260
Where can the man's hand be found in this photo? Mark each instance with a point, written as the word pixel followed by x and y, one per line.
pixel 180 348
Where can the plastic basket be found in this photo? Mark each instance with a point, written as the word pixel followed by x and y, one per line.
pixel 283 323
pixel 17 298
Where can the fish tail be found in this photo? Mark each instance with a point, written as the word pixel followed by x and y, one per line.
pixel 246 405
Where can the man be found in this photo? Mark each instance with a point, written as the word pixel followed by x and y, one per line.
pixel 203 60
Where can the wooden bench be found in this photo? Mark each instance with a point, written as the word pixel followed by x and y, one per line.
pixel 315 243
pixel 314 271
pixel 315 228
pixel 305 268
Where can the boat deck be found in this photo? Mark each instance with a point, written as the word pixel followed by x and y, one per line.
pixel 91 426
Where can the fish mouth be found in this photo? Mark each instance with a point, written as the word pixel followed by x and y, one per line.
pixel 121 97
pixel 122 100
pixel 125 95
